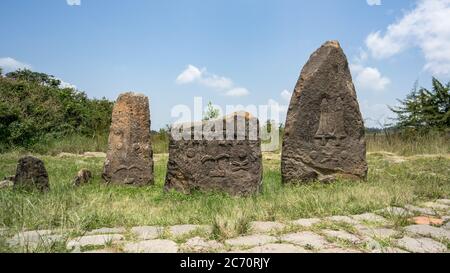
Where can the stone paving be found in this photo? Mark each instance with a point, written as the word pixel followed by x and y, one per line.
pixel 377 232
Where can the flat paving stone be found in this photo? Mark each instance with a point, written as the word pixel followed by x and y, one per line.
pixel 266 227
pixel 338 250
pixel 378 233
pixel 443 201
pixel 421 245
pixel 182 230
pixel 446 226
pixel 201 245
pixel 389 250
pixel 33 237
pixel 277 248
pixel 306 239
pixel 426 211
pixel 101 251
pixel 251 240
pixel 342 219
pixel 429 231
pixel 371 218
pixel 307 222
pixel 395 211
pixel 107 231
pixel 147 232
pixel 151 246
pixel 94 240
pixel 436 206
pixel 342 235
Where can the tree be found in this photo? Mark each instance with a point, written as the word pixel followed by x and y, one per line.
pixel 423 109
pixel 34 77
pixel 211 112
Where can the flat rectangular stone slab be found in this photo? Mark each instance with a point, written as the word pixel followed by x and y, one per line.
pixel 306 239
pixel 147 232
pixel 152 246
pixel 421 245
pixel 251 240
pixel 94 240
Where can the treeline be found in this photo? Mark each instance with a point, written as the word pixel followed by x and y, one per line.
pixel 35 107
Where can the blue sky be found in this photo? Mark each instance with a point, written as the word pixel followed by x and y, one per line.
pixel 227 51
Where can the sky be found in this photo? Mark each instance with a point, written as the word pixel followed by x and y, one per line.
pixel 229 52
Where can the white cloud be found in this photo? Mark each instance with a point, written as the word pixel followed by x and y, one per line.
pixel 237 92
pixel 374 2
pixel 427 27
pixel 369 78
pixel 9 64
pixel 286 95
pixel 73 2
pixel 64 84
pixel 193 74
pixel 189 75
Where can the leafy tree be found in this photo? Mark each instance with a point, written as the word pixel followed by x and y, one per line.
pixel 211 112
pixel 34 77
pixel 424 109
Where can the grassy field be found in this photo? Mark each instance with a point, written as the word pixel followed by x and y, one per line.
pixel 392 180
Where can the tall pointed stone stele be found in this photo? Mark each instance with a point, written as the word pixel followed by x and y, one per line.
pixel 129 160
pixel 324 135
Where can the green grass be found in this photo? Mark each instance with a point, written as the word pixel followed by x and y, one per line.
pixel 97 205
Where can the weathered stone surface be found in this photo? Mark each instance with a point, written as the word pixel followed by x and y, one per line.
pixel 83 177
pixel 6 184
pixel 424 230
pixel 389 250
pixel 306 239
pixel 33 238
pixel 251 240
pixel 342 219
pixel 446 226
pixel 421 245
pixel 152 246
pixel 436 206
pixel 147 232
pixel 200 245
pixel 182 230
pixel 130 158
pixel 308 222
pixel 106 231
pixel 337 250
pixel 94 240
pixel 342 235
pixel 31 174
pixel 266 227
pixel 395 211
pixel 277 248
pixel 425 220
pixel 426 211
pixel 371 218
pixel 324 135
pixel 201 161
pixel 379 233
pixel 443 201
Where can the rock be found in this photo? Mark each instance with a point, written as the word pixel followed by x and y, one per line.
pixel 101 251
pixel 129 160
pixel 421 245
pixel 222 160
pixel 94 154
pixel 395 211
pixel 32 238
pixel 446 226
pixel 94 240
pixel 83 177
pixel 251 240
pixel 152 246
pixel 342 219
pixel 31 174
pixel 443 201
pixel 306 239
pixel 147 232
pixel 337 250
pixel 425 220
pixel 182 230
pixel 266 227
pixel 277 248
pixel 342 235
pixel 436 206
pixel 429 231
pixel 371 218
pixel 107 231
pixel 6 184
pixel 389 250
pixel 200 245
pixel 426 211
pixel 379 233
pixel 306 222
pixel 324 136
